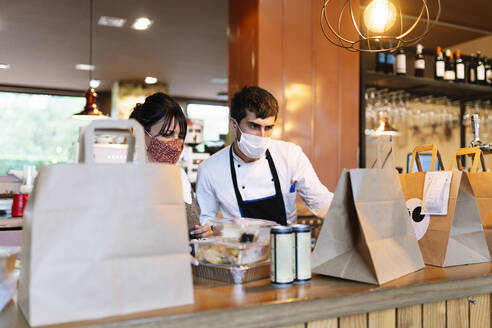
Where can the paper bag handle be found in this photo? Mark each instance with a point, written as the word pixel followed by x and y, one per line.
pixel 435 155
pixel 135 141
pixel 474 152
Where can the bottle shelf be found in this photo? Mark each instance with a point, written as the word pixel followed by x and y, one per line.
pixel 426 86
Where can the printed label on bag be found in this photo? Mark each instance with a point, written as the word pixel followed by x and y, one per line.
pixel 420 221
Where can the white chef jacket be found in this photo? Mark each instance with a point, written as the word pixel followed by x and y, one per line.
pixel 215 190
pixel 185 184
pixel 186 187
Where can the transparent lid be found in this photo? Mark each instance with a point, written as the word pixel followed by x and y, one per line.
pixel 243 221
pixel 226 242
pixel 242 229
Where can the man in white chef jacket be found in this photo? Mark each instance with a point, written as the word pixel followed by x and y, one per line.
pixel 257 177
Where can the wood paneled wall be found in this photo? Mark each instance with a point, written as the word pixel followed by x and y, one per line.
pixel 278 45
pixel 242 34
pixel 460 313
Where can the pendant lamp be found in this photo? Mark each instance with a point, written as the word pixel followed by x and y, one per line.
pixel 90 111
pixel 385 129
pixel 381 26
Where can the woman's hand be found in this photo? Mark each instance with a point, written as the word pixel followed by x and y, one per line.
pixel 202 231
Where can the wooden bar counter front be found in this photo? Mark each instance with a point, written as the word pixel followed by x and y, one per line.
pixel 433 297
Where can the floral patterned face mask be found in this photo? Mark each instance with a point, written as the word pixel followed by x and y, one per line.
pixel 165 151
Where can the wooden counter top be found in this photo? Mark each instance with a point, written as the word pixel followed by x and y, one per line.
pixel 258 304
pixel 11 224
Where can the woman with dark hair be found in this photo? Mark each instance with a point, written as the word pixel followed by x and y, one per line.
pixel 165 126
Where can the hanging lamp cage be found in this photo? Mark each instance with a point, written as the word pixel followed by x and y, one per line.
pixel 380 27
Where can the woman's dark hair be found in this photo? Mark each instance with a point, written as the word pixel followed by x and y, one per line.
pixel 256 100
pixel 155 108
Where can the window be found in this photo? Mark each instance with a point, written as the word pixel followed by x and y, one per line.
pixel 215 119
pixel 37 129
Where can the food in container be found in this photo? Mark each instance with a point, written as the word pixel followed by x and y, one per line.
pixel 221 250
pixel 242 229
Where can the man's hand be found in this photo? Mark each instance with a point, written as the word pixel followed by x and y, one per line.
pixel 202 232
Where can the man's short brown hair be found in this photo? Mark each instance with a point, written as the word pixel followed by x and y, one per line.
pixel 256 100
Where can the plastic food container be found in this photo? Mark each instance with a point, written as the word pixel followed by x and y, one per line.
pixel 221 251
pixel 242 229
pixel 236 274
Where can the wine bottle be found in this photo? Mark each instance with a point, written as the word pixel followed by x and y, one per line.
pixel 488 72
pixel 480 69
pixel 460 67
pixel 472 70
pixel 419 64
pixel 390 60
pixel 439 65
pixel 380 58
pixel 401 62
pixel 380 62
pixel 449 67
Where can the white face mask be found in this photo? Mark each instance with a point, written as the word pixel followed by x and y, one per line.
pixel 252 146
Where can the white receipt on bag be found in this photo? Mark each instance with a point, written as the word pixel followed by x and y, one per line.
pixel 436 192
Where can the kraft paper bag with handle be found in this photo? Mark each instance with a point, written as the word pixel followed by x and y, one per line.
pixel 103 240
pixel 481 183
pixel 367 234
pixel 445 240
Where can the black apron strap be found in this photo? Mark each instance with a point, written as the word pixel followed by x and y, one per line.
pixel 234 182
pixel 272 208
pixel 278 190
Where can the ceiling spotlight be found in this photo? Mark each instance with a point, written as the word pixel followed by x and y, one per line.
pixel 4 66
pixel 111 21
pixel 150 80
pixel 94 83
pixel 84 67
pixel 142 23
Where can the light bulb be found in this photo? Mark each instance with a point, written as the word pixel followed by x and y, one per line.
pixel 94 83
pixel 150 80
pixel 142 23
pixel 379 16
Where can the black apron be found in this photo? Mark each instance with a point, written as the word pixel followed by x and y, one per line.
pixel 269 208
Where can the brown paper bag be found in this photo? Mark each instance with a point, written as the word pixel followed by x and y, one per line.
pixel 481 183
pixel 367 234
pixel 102 240
pixel 453 239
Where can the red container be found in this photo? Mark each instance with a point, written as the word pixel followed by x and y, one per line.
pixel 20 201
